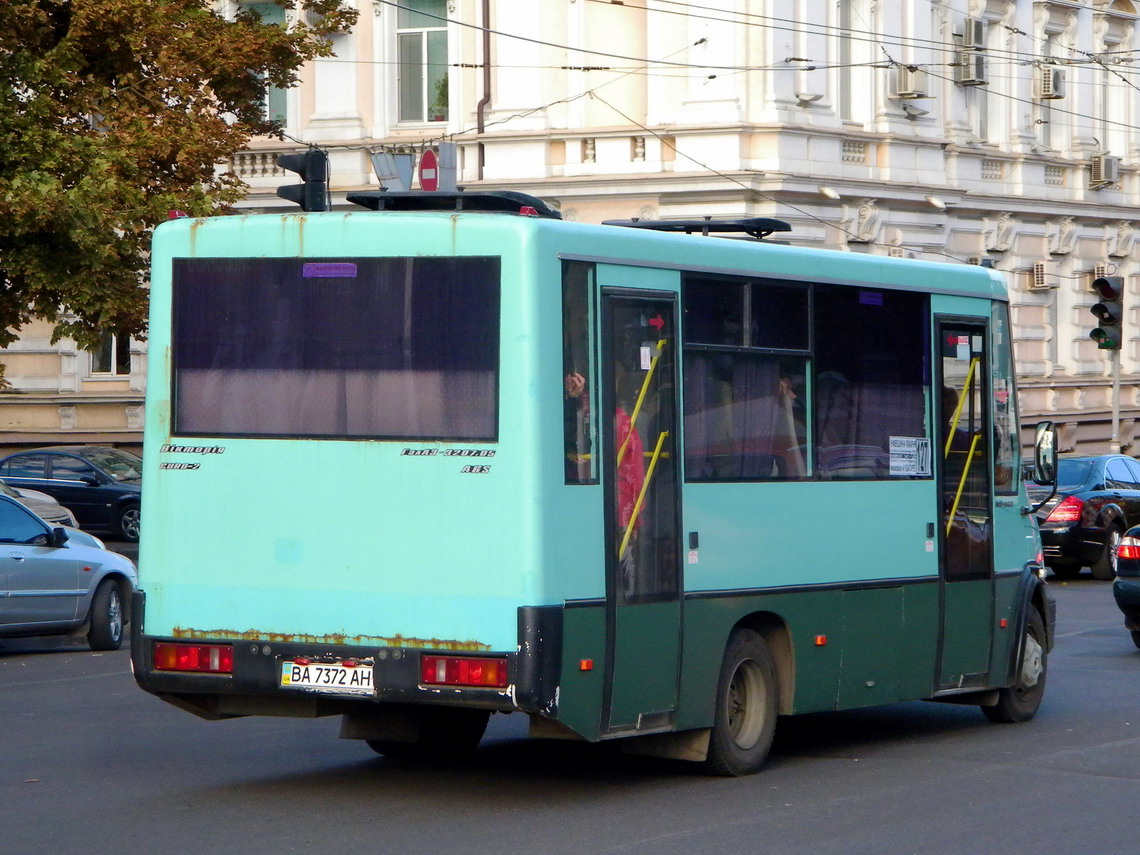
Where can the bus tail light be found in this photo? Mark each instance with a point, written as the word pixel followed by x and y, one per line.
pixel 198 658
pixel 1068 510
pixel 463 671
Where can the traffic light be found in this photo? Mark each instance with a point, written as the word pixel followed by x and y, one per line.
pixel 313 166
pixel 1109 311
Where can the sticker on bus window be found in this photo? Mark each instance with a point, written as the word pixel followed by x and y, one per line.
pixel 910 456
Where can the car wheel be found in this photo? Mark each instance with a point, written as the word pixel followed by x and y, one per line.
pixel 106 619
pixel 445 733
pixel 1136 637
pixel 747 703
pixel 1020 701
pixel 130 522
pixel 1104 568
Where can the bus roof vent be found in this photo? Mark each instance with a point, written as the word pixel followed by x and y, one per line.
pixel 502 201
pixel 757 227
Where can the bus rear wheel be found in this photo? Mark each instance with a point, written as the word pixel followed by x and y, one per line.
pixel 1020 701
pixel 444 733
pixel 747 701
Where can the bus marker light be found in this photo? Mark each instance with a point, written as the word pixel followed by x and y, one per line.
pixel 1003 623
pixel 463 671
pixel 199 658
pixel 585 664
pixel 820 640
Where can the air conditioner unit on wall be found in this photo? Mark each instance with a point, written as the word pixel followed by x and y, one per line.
pixel 1039 278
pixel 909 82
pixel 1104 170
pixel 1099 271
pixel 974 33
pixel 970 69
pixel 1050 83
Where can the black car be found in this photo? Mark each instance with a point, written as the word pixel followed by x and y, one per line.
pixel 1098 499
pixel 102 486
pixel 1126 588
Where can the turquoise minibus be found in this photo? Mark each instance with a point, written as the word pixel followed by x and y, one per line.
pixel 449 455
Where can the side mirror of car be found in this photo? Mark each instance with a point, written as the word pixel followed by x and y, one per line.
pixel 1045 461
pixel 89 480
pixel 58 537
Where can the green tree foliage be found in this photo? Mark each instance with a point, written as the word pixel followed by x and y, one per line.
pixel 112 114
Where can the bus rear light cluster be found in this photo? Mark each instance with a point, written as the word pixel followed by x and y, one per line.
pixel 463 671
pixel 198 658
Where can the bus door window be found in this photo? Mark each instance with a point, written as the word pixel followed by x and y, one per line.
pixel 965 448
pixel 644 488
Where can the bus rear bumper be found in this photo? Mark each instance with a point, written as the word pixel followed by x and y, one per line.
pixel 253 683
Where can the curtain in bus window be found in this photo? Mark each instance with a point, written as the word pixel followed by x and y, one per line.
pixel 742 419
pixel 376 347
pixel 870 382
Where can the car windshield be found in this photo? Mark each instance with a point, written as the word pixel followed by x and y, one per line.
pixel 1072 473
pixel 120 465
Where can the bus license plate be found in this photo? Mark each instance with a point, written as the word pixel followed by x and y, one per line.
pixel 327 677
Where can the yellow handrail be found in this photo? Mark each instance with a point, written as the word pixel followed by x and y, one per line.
pixel 641 496
pixel 640 399
pixel 961 402
pixel 962 483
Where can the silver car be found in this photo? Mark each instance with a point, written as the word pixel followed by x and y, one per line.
pixel 55 580
pixel 42 505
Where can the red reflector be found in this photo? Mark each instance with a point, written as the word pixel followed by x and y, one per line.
pixel 821 641
pixel 1069 510
pixel 585 664
pixel 461 671
pixel 200 658
pixel 1129 548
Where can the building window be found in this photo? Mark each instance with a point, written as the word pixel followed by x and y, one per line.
pixel 422 46
pixel 112 356
pixel 274 101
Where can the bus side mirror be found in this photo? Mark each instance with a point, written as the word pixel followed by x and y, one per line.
pixel 1045 454
pixel 1045 462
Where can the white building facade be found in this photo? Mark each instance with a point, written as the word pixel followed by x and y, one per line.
pixel 1000 132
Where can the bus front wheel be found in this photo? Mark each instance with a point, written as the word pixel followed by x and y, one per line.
pixel 747 696
pixel 444 733
pixel 1020 701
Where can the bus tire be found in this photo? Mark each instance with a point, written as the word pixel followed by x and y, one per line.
pixel 747 701
pixel 444 733
pixel 1020 701
pixel 106 619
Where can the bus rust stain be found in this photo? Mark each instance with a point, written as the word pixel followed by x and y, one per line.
pixel 331 638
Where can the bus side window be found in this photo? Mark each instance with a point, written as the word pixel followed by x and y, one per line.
pixel 578 381
pixel 745 371
pixel 1007 439
pixel 870 380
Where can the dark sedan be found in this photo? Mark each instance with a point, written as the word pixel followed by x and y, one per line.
pixel 102 486
pixel 1098 499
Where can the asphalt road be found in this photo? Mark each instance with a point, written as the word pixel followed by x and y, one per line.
pixel 91 764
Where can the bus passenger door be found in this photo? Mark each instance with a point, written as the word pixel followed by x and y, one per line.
pixel 639 355
pixel 964 437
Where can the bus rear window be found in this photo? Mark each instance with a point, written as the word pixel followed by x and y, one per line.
pixel 384 348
